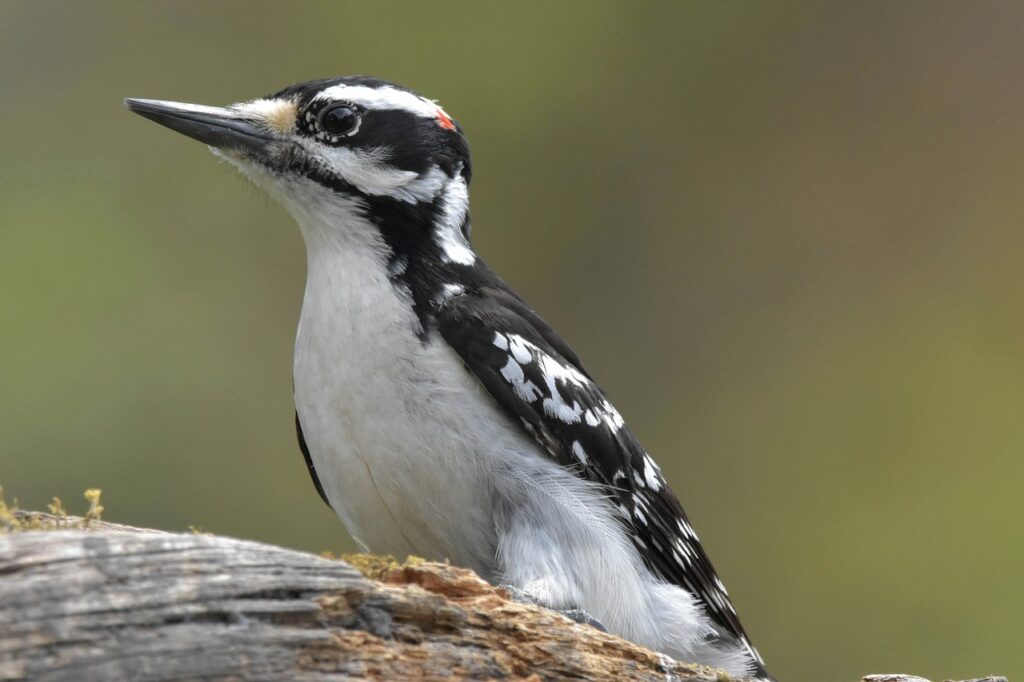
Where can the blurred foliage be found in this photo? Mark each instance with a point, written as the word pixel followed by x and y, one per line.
pixel 786 237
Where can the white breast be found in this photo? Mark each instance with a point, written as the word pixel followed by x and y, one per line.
pixel 403 438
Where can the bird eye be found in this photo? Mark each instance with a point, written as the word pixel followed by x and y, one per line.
pixel 340 120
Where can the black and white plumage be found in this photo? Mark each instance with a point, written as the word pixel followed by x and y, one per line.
pixel 438 413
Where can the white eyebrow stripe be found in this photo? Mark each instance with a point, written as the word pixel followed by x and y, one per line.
pixel 384 97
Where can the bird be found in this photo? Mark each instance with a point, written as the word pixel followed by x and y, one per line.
pixel 438 414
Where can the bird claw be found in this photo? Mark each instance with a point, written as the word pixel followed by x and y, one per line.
pixel 520 595
pixel 580 616
pixel 583 618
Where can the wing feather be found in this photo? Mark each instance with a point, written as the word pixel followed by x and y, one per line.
pixel 534 375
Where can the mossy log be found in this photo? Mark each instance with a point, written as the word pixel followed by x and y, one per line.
pixel 98 601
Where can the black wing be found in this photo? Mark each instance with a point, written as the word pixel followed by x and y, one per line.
pixel 309 461
pixel 533 374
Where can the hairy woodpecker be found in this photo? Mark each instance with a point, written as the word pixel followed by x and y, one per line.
pixel 439 415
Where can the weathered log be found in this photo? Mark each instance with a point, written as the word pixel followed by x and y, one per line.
pixel 914 678
pixel 110 603
pixel 87 600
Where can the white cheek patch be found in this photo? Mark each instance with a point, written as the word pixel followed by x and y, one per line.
pixel 277 115
pixel 369 172
pixel 365 169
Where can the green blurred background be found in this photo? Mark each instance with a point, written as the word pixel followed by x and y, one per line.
pixel 786 237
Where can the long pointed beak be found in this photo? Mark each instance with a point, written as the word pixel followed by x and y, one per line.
pixel 214 126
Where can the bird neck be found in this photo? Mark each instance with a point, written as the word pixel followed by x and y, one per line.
pixel 419 249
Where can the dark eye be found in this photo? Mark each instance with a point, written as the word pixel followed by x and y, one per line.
pixel 339 120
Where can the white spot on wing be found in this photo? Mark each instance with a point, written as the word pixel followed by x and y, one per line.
pixel 611 416
pixel 553 371
pixel 450 291
pixel 517 345
pixel 652 473
pixel 685 529
pixel 580 453
pixel 524 388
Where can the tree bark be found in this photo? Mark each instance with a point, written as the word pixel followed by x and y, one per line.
pixel 108 602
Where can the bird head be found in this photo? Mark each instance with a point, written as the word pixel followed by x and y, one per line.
pixel 344 147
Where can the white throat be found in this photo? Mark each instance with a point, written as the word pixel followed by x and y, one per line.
pixel 376 402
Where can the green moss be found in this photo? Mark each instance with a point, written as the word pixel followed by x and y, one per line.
pixel 374 566
pixel 14 520
pixel 95 511
pixel 57 508
pixel 9 521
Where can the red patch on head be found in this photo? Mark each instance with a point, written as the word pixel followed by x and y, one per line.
pixel 444 120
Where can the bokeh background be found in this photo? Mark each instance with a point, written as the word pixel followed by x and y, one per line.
pixel 786 237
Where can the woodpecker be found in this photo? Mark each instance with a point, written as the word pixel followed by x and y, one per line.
pixel 438 414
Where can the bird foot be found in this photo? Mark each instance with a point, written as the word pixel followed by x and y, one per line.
pixel 520 595
pixel 580 616
pixel 583 618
